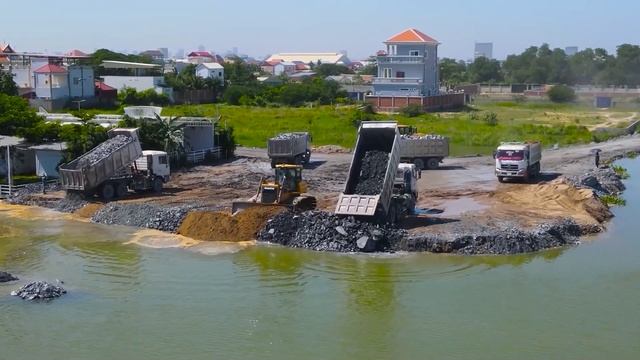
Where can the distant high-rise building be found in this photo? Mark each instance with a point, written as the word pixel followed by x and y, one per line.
pixel 571 50
pixel 484 50
pixel 165 52
pixel 180 54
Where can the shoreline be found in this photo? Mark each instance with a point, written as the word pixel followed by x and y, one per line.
pixel 465 237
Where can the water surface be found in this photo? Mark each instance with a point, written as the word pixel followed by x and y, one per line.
pixel 142 295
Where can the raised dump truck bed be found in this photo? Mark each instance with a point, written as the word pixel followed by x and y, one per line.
pixel 289 148
pixel 374 137
pixel 101 163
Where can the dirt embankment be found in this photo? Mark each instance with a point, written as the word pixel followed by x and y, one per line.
pixel 222 226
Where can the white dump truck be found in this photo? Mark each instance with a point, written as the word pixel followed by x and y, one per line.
pixel 289 148
pixel 518 160
pixel 395 192
pixel 114 167
pixel 425 151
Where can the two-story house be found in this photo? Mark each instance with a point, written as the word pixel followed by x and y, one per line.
pixel 409 67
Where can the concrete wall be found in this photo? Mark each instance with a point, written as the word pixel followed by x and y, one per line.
pixel 198 138
pixel 51 86
pixel 140 83
pixel 428 103
pixel 47 162
pixel 81 81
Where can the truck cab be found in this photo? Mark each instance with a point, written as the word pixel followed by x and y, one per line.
pixel 517 160
pixel 155 162
pixel 406 181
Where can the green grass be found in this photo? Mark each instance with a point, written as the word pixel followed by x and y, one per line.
pixel 613 200
pixel 620 171
pixel 22 179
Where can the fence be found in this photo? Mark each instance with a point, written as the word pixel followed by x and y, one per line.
pixel 198 156
pixel 8 190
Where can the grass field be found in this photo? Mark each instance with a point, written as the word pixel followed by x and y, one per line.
pixel 470 134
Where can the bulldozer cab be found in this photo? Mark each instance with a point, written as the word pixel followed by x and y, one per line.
pixel 407 129
pixel 289 178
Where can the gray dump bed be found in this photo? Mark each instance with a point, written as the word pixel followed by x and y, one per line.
pixel 413 146
pixel 373 136
pixel 287 145
pixel 102 162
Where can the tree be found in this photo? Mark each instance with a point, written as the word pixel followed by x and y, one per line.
pixel 325 70
pixel 452 72
pixel 238 72
pixel 484 70
pixel 16 117
pixel 7 85
pixel 561 94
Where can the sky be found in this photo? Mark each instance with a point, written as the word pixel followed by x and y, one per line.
pixel 260 28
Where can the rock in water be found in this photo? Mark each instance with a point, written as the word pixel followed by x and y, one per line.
pixel 39 290
pixel 6 277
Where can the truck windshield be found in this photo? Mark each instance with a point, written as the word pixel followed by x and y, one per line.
pixel 510 155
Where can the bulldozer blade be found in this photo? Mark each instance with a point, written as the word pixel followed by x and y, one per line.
pixel 243 205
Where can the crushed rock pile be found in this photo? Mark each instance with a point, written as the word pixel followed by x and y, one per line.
pixel 321 231
pixel 372 171
pixel 142 215
pixel 603 181
pixel 102 151
pixel 6 277
pixel 500 240
pixel 286 136
pixel 222 226
pixel 423 137
pixel 39 290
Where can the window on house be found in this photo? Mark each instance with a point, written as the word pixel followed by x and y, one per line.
pixel 220 73
pixel 162 159
pixel 392 49
pixel 386 72
pixel 399 74
pixel 404 89
pixel 414 52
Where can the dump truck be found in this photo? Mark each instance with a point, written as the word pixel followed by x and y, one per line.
pixel 114 167
pixel 287 189
pixel 289 148
pixel 425 151
pixel 381 200
pixel 518 160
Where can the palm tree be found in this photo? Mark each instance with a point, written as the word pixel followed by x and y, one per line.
pixel 171 131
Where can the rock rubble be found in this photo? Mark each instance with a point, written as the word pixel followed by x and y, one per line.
pixel 142 215
pixel 6 277
pixel 102 151
pixel 372 171
pixel 603 181
pixel 321 231
pixel 39 290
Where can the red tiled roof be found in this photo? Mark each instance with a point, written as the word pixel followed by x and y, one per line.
pixel 50 69
pixel 200 54
pixel 76 52
pixel 412 36
pixel 103 87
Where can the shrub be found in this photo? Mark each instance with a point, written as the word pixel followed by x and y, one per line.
pixel 620 171
pixel 613 200
pixel 130 96
pixel 561 94
pixel 490 119
pixel 412 110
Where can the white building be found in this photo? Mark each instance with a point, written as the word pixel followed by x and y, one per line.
pixel 143 77
pixel 483 50
pixel 284 67
pixel 210 70
pixel 315 58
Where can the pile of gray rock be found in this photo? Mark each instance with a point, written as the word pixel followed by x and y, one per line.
pixel 102 151
pixel 6 277
pixel 39 290
pixel 321 231
pixel 424 137
pixel 603 181
pixel 142 215
pixel 372 171
pixel 286 136
pixel 507 239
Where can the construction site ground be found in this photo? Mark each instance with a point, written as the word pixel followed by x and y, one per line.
pixel 464 191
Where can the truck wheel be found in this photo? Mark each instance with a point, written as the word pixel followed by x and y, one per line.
pixel 273 164
pixel 432 163
pixel 307 157
pixel 107 192
pixel 121 190
pixel 157 185
pixel 419 164
pixel 500 179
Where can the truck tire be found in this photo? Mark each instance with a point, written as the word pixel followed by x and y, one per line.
pixel 121 190
pixel 107 192
pixel 307 157
pixel 157 185
pixel 500 179
pixel 419 164
pixel 273 164
pixel 433 163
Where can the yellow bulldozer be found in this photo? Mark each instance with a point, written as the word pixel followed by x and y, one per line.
pixel 286 189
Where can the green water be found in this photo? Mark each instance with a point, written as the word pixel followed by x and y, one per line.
pixel 128 301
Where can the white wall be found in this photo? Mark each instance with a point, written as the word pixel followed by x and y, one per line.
pixel 203 72
pixel 47 162
pixel 140 83
pixel 198 138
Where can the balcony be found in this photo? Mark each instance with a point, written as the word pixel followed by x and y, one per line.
pixel 397 81
pixel 401 59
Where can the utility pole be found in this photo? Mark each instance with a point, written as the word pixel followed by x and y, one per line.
pixel 9 179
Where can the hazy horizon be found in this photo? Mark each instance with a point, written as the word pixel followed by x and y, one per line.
pixel 357 27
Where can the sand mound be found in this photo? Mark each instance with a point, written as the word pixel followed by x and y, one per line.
pixel 555 199
pixel 88 210
pixel 219 226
